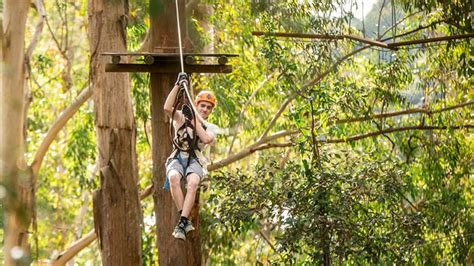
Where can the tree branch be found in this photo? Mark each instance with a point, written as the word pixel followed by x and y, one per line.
pixel 323 37
pixel 411 31
pixel 249 150
pixel 391 130
pixel 306 85
pixel 430 40
pixel 146 192
pixel 368 41
pixel 258 145
pixel 72 251
pixel 380 16
pixel 241 115
pixel 392 46
pixel 145 45
pixel 38 30
pixel 273 145
pixel 397 23
pixel 86 240
pixel 403 112
pixel 268 241
pixel 263 142
pixel 56 41
pixel 298 35
pixel 56 127
pixel 244 153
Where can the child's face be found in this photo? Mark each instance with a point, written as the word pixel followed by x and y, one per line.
pixel 204 109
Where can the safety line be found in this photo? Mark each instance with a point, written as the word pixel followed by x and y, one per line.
pixel 196 113
pixel 179 37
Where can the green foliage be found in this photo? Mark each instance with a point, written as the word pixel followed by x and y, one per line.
pixel 149 249
pixel 402 197
pixel 457 13
pixel 394 198
pixel 138 23
pixel 367 208
pixel 81 150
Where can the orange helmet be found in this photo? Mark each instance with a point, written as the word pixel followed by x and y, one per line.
pixel 206 96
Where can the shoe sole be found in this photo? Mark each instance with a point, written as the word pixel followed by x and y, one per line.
pixel 179 237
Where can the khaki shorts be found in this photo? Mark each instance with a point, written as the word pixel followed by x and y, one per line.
pixel 181 165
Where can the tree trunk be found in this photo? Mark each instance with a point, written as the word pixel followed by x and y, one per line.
pixel 117 212
pixel 15 175
pixel 170 251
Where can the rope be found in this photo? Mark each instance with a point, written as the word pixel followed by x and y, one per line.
pixel 195 112
pixel 184 85
pixel 179 37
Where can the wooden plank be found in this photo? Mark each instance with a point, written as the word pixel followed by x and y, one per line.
pixel 168 68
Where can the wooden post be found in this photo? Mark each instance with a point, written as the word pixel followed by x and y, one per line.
pixel 171 251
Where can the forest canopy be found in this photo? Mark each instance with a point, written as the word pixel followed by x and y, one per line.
pixel 350 141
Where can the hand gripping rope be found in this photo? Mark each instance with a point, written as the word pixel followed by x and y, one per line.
pixel 184 85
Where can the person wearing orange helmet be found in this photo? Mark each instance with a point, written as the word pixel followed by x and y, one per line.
pixel 205 103
pixel 192 134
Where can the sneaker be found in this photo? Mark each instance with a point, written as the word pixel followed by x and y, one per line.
pixel 179 231
pixel 188 226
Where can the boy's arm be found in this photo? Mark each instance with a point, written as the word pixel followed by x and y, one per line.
pixel 205 136
pixel 168 107
pixel 170 100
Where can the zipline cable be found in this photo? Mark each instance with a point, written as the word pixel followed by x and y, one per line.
pixel 184 85
pixel 179 37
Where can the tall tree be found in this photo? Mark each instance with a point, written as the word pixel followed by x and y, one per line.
pixel 117 212
pixel 13 167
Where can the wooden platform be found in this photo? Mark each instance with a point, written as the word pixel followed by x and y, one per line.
pixel 169 62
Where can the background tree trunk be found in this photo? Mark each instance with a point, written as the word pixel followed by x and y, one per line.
pixel 117 215
pixel 15 175
pixel 170 251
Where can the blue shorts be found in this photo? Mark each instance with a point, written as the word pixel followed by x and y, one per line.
pixel 181 165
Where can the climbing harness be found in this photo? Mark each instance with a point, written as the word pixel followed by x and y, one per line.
pixel 183 139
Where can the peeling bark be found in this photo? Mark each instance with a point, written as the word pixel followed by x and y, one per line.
pixel 117 212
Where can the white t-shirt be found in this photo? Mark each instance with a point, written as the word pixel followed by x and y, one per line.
pixel 213 129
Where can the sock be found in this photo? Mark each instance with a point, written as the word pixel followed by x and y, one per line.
pixel 180 211
pixel 184 219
